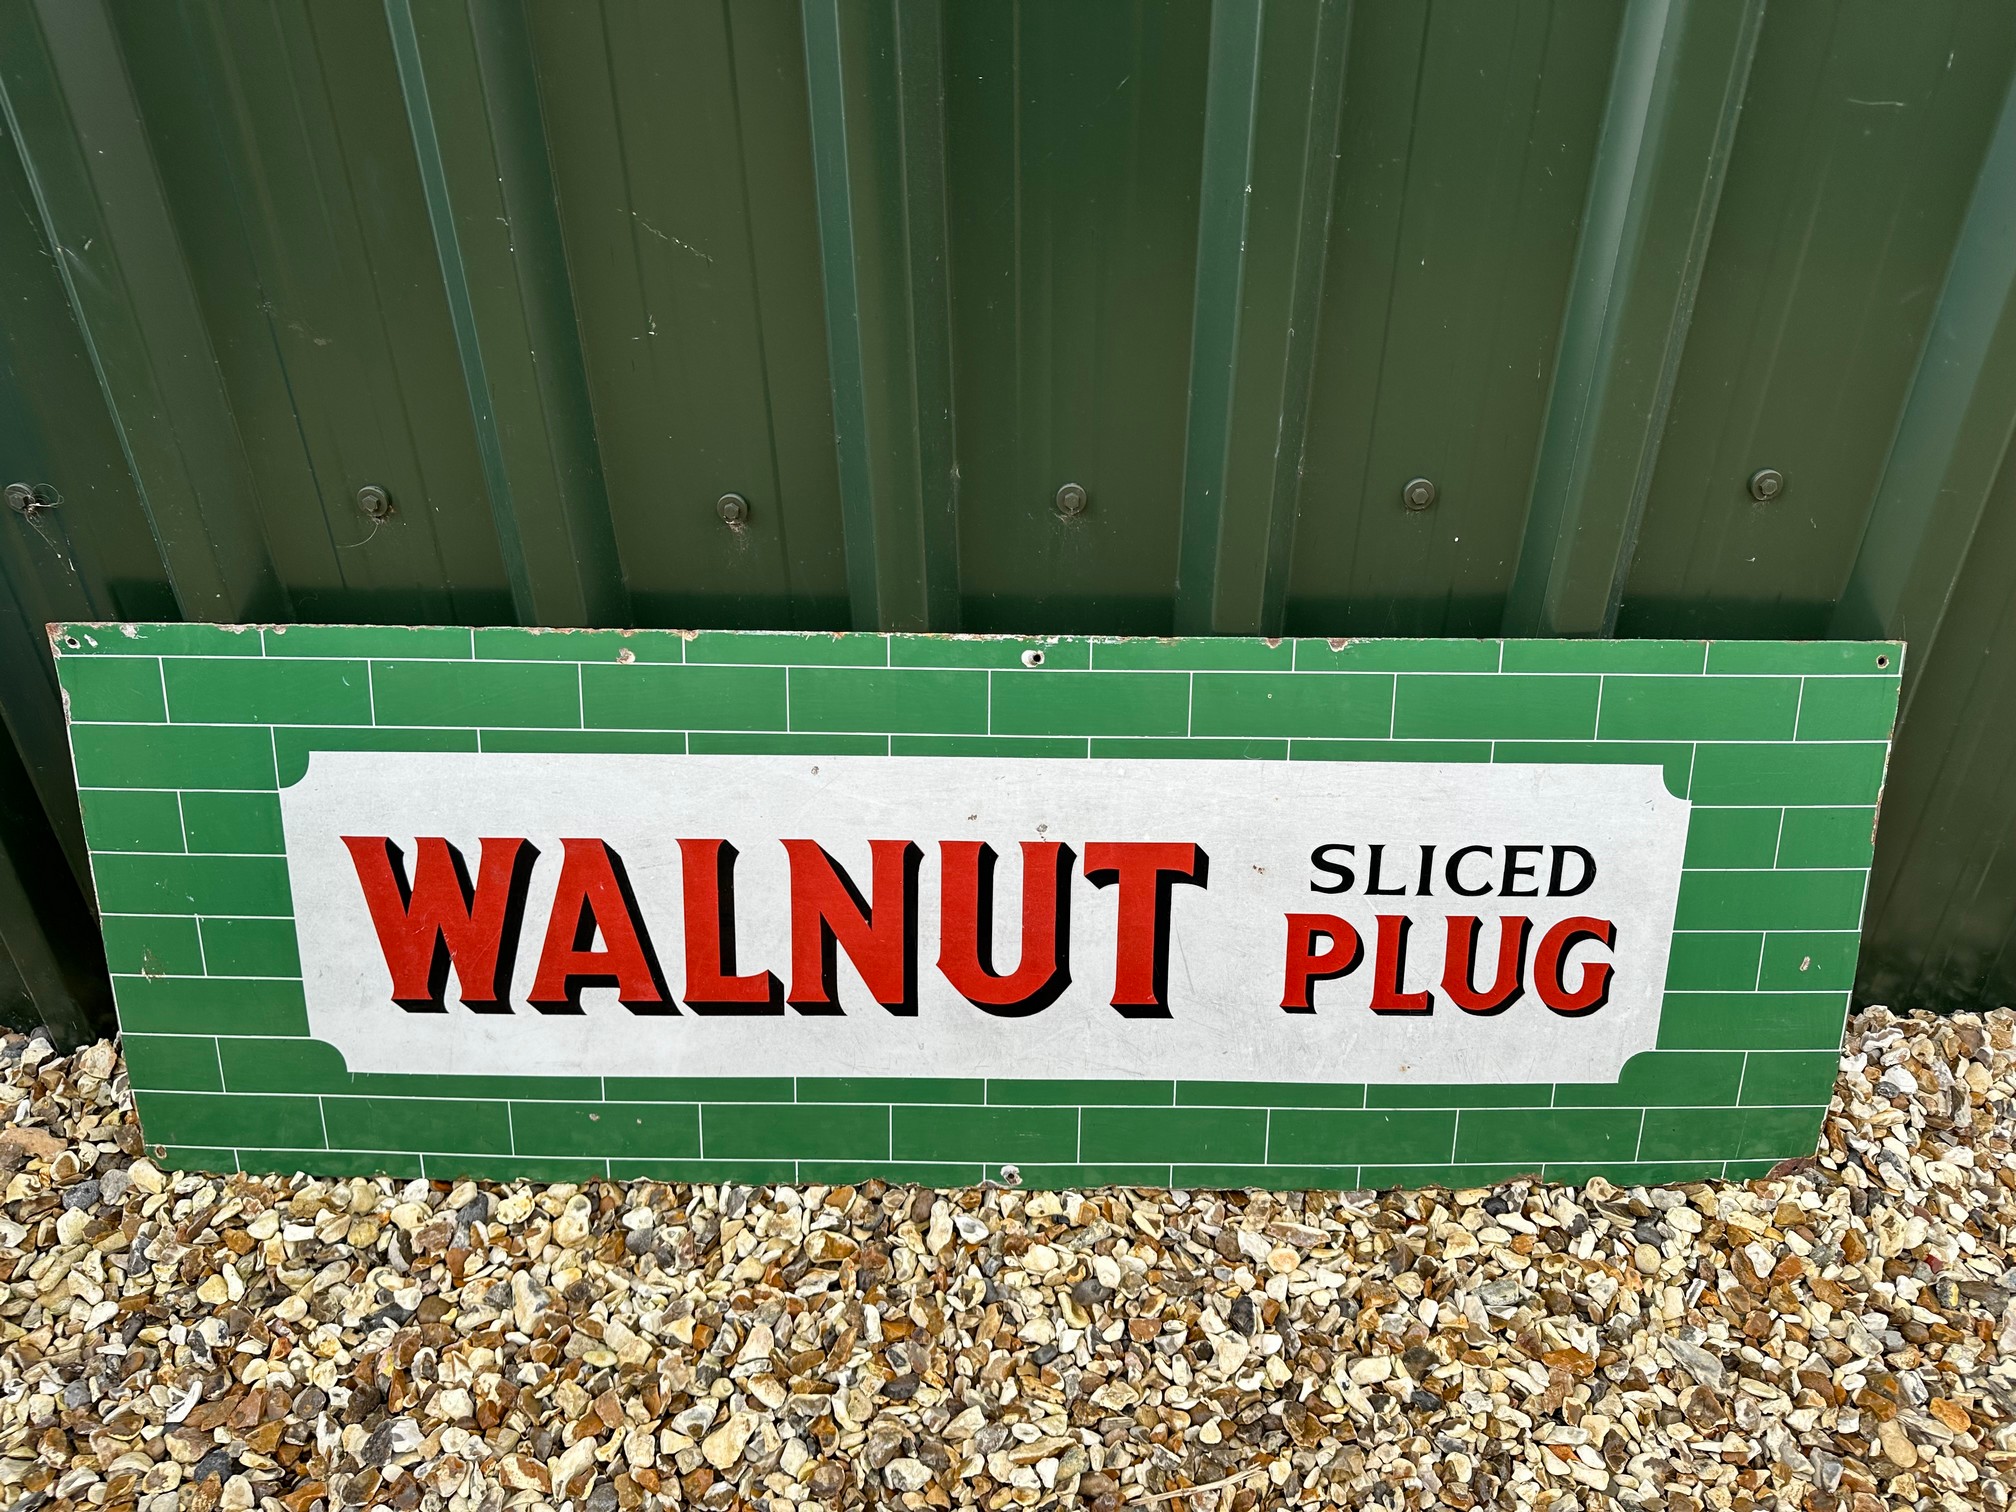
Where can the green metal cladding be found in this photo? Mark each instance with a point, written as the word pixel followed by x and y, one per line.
pixel 559 276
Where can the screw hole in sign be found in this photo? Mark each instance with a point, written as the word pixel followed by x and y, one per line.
pixel 1882 661
pixel 1032 658
pixel 72 642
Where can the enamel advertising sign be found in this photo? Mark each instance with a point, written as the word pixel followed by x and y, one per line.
pixel 781 907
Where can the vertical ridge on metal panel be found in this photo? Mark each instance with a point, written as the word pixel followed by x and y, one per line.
pixel 875 79
pixel 1263 225
pixel 481 153
pixel 68 103
pixel 1675 94
pixel 1231 98
pixel 1953 437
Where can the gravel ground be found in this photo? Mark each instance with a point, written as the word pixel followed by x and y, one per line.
pixel 1843 1337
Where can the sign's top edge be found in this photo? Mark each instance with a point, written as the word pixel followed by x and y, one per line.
pixel 58 629
pixel 948 652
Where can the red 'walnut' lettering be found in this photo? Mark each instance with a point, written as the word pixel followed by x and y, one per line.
pixel 594 894
pixel 880 939
pixel 966 926
pixel 439 920
pixel 1147 872
pixel 707 868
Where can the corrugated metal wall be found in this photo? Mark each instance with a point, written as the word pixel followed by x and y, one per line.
pixel 557 276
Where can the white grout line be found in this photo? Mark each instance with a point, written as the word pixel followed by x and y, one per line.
pixel 706 1102
pixel 1560 740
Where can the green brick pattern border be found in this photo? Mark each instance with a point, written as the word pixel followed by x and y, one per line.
pixel 183 735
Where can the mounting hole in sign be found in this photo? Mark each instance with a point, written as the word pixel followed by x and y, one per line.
pixel 1032 658
pixel 1882 661
pixel 72 642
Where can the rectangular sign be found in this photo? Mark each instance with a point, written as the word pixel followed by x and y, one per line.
pixel 790 907
pixel 972 915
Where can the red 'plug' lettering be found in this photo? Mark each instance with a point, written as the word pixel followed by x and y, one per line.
pixel 1389 969
pixel 1460 965
pixel 1306 964
pixel 1594 990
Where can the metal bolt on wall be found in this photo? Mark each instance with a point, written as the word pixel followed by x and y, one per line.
pixel 1766 484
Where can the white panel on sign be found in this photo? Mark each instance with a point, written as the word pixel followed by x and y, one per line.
pixel 942 916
